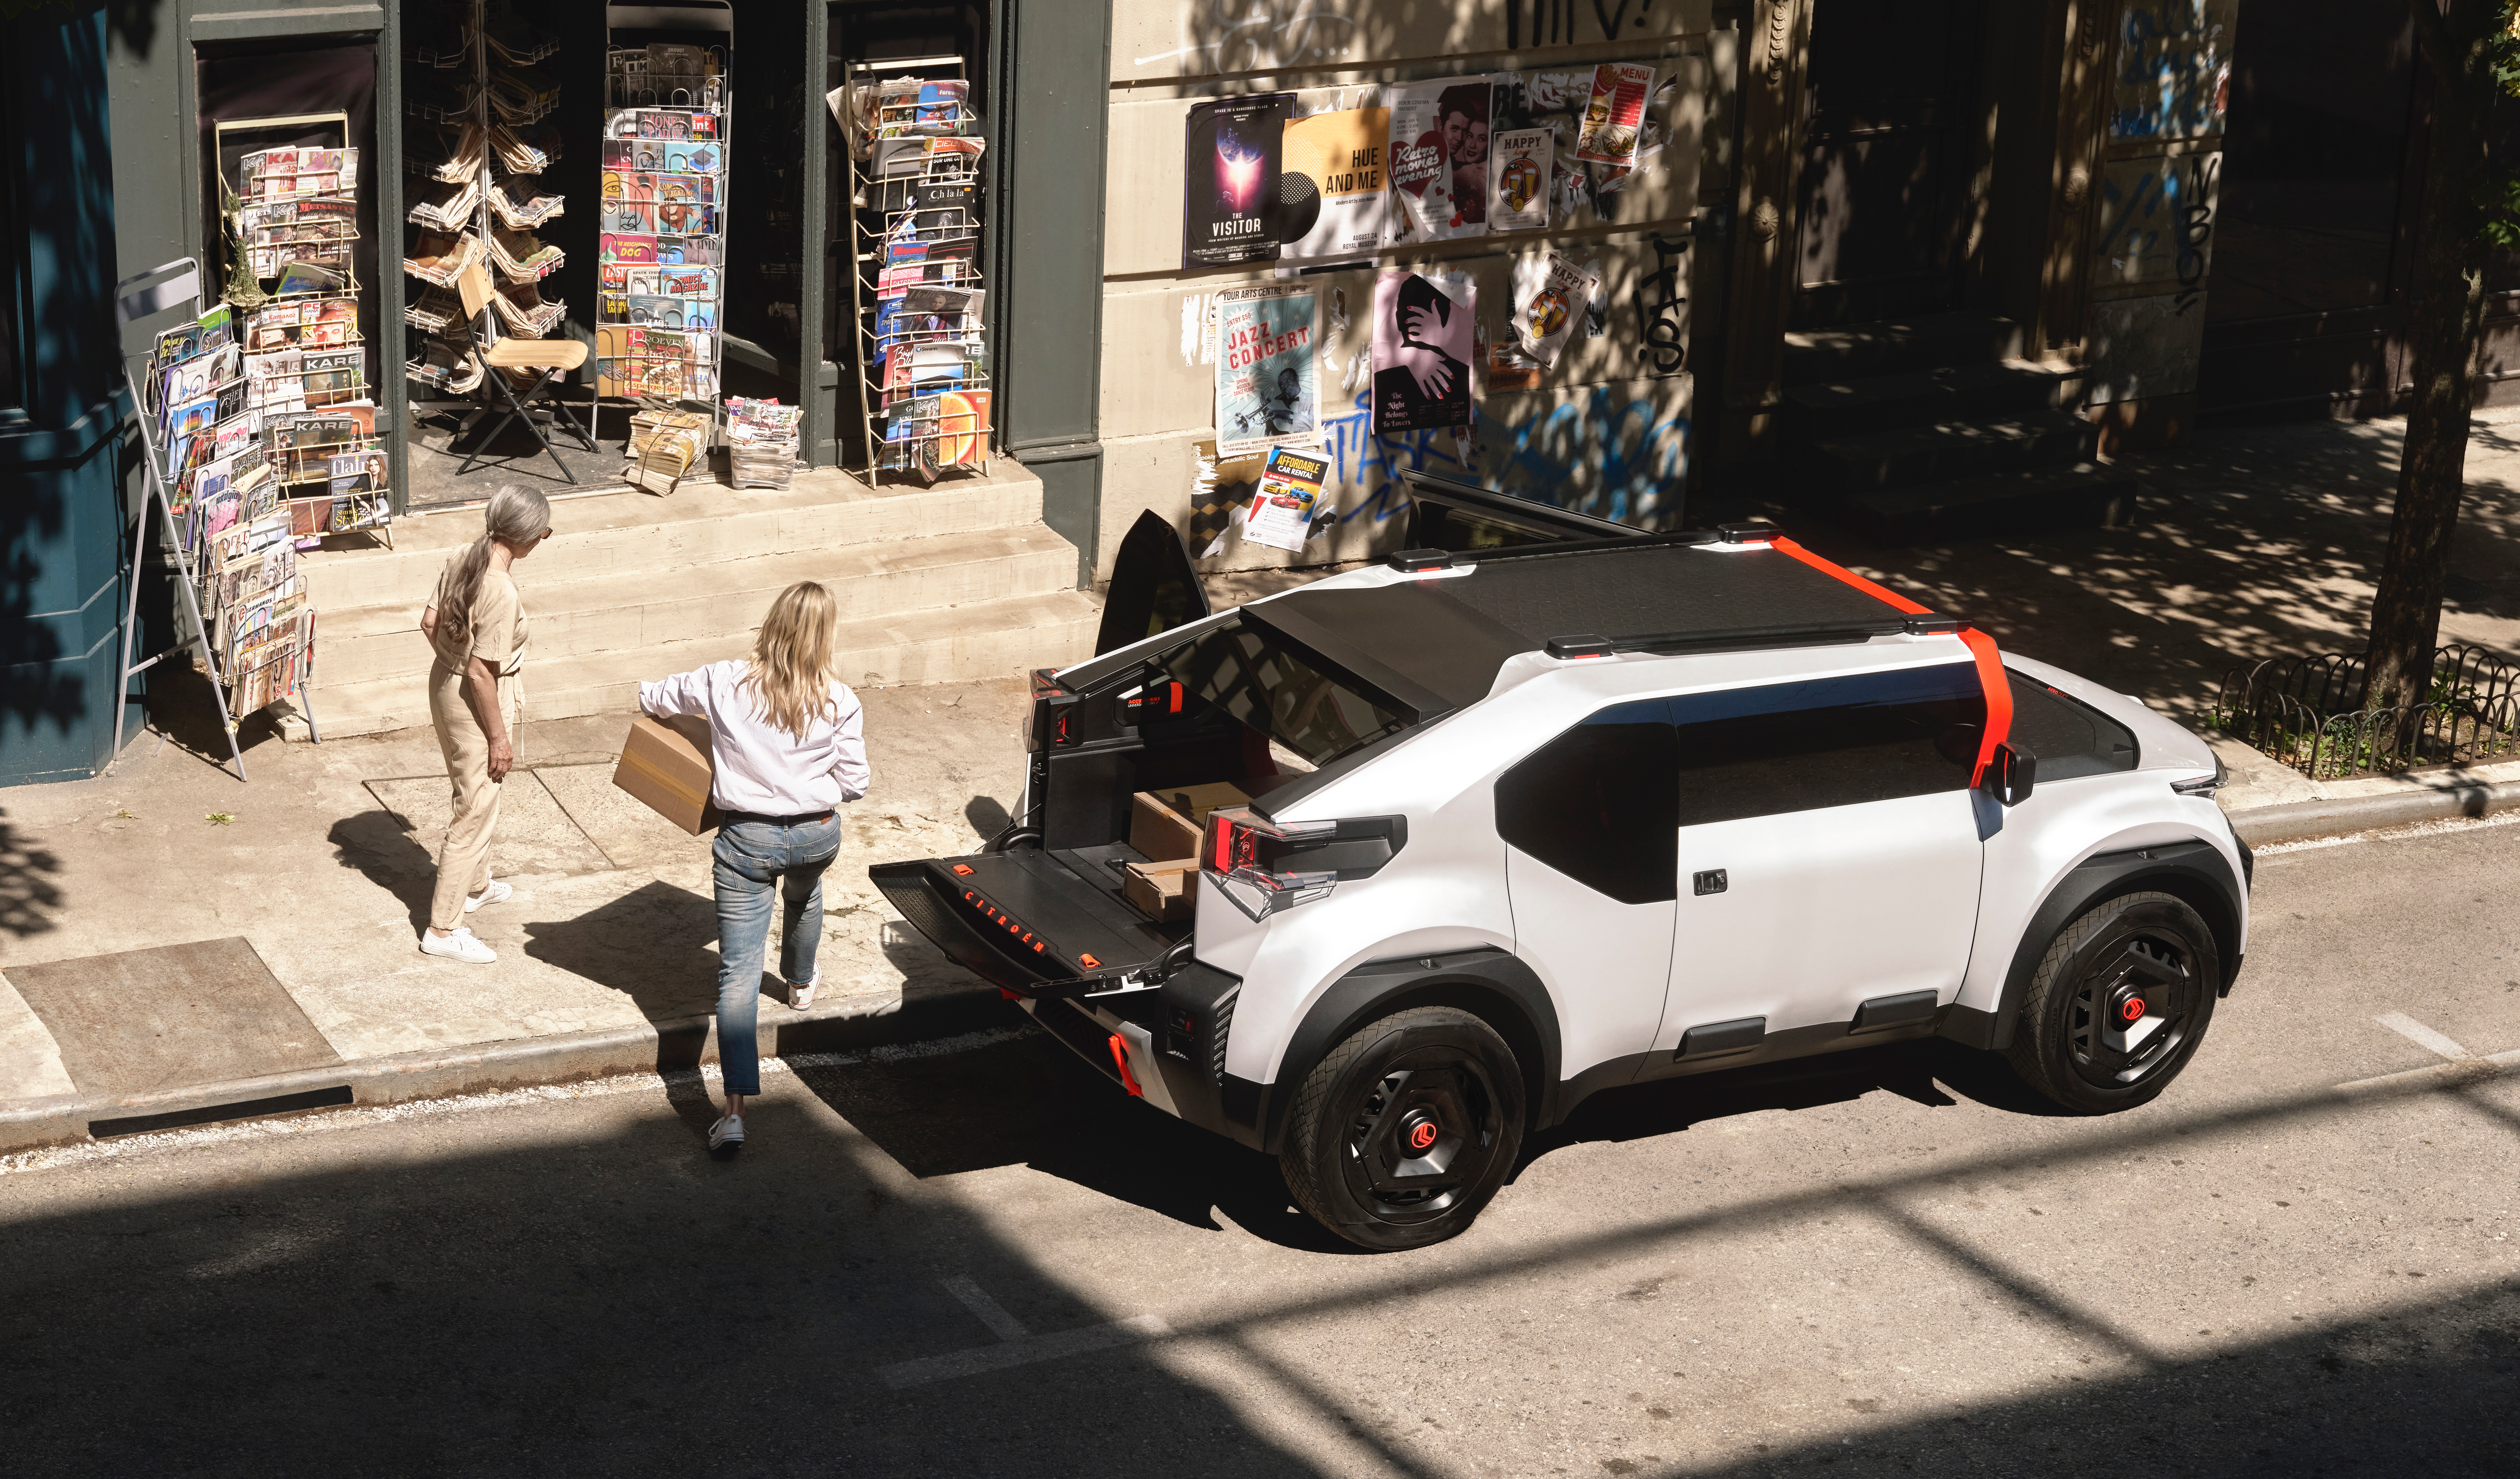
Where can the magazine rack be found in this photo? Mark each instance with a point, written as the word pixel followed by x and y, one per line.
pixel 659 301
pixel 181 286
pixel 915 210
pixel 490 90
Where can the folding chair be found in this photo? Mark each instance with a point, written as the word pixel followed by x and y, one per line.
pixel 553 358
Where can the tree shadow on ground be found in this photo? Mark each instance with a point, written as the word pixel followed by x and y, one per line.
pixel 29 899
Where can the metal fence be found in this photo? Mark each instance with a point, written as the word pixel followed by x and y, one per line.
pixel 2303 711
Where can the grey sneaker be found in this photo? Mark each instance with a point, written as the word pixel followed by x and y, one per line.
pixel 726 1136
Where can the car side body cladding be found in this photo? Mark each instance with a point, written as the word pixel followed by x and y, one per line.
pixel 1494 985
pixel 2193 871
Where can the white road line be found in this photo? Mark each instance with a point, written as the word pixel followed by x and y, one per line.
pixel 1025 1352
pixel 2423 1037
pixel 992 1313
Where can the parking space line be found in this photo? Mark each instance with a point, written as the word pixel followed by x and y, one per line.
pixel 2423 1037
pixel 992 1313
pixel 1025 1352
pixel 2456 1071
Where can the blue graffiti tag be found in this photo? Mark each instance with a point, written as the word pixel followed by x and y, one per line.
pixel 1598 456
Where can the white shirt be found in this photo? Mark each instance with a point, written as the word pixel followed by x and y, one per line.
pixel 761 768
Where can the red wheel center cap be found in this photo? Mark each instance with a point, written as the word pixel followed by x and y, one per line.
pixel 1422 1135
pixel 2134 1009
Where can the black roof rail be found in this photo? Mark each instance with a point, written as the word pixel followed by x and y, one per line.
pixel 1736 640
pixel 1544 520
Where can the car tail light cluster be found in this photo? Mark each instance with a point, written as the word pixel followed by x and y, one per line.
pixel 1262 866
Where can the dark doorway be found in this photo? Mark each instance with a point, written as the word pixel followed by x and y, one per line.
pixel 1884 202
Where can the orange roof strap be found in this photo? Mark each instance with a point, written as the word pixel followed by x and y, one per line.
pixel 1989 663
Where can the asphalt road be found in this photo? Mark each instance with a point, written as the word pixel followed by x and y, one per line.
pixel 983 1262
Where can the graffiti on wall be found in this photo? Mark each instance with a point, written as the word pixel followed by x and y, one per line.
pixel 2157 221
pixel 1561 22
pixel 2173 76
pixel 1595 451
pixel 1658 300
pixel 1256 35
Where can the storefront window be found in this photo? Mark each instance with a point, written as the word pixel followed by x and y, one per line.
pixel 2314 149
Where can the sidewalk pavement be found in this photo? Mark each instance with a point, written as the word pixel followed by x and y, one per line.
pixel 2255 542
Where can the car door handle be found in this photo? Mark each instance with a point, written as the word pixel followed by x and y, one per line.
pixel 1711 881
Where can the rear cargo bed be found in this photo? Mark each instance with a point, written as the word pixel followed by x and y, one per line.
pixel 1025 916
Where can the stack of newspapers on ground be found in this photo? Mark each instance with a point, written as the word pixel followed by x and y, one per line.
pixel 761 438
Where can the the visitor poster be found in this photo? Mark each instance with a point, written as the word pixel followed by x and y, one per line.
pixel 1229 180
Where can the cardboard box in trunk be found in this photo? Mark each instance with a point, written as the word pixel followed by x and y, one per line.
pixel 666 764
pixel 1164 891
pixel 1167 823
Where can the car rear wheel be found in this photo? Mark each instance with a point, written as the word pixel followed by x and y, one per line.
pixel 1404 1131
pixel 2119 1004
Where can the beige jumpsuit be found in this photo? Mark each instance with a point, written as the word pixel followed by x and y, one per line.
pixel 498 640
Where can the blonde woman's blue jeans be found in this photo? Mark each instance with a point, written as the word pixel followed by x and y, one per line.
pixel 752 858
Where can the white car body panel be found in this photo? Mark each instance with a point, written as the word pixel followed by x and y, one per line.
pixel 1603 961
pixel 1823 910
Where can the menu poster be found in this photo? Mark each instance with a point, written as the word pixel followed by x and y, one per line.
pixel 1229 180
pixel 1614 119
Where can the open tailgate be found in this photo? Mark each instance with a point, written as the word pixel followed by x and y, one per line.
pixel 1021 918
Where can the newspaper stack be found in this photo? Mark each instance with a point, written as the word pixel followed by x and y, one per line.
pixel 663 445
pixel 761 442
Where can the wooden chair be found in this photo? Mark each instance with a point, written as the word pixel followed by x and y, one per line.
pixel 552 358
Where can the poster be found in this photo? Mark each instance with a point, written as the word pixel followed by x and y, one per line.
pixel 1265 379
pixel 1341 153
pixel 1549 291
pixel 1422 353
pixel 1281 512
pixel 1518 170
pixel 1614 119
pixel 1229 180
pixel 1439 159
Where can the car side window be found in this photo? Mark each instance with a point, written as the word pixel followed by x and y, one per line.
pixel 1828 741
pixel 1597 803
pixel 2069 737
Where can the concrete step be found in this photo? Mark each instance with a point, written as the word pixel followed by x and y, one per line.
pixel 617 533
pixel 1921 343
pixel 991 639
pixel 1829 409
pixel 2085 495
pixel 644 610
pixel 1943 450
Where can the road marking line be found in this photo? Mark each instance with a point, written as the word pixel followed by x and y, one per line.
pixel 1025 1352
pixel 2423 1037
pixel 992 1313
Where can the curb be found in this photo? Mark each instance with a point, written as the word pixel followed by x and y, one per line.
pixel 2299 821
pixel 660 1048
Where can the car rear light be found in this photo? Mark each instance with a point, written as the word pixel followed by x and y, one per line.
pixel 1262 866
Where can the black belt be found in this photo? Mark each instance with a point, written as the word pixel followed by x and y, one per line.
pixel 802 818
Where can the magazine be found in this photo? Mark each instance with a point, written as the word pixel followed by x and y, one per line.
pixel 1422 353
pixel 1229 180
pixel 1341 153
pixel 1265 377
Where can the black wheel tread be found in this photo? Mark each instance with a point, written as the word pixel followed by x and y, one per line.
pixel 2024 1051
pixel 1295 1159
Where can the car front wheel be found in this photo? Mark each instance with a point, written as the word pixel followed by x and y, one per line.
pixel 2119 1003
pixel 1404 1131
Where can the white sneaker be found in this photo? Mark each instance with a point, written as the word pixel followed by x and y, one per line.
pixel 800 994
pixel 459 946
pixel 495 892
pixel 726 1136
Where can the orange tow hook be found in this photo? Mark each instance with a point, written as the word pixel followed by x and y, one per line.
pixel 1120 1055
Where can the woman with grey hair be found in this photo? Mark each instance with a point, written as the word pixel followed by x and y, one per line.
pixel 476 623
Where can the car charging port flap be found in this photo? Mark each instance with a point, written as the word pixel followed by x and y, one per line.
pixel 1262 866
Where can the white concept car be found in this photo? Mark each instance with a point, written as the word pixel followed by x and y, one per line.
pixel 1565 808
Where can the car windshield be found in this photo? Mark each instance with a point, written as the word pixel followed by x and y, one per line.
pixel 1283 694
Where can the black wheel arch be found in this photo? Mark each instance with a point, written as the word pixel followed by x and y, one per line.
pixel 1493 985
pixel 2194 873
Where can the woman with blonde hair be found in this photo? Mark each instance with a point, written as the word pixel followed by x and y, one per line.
pixel 475 621
pixel 785 735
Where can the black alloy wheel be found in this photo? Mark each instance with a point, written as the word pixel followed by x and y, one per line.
pixel 1405 1130
pixel 2119 1003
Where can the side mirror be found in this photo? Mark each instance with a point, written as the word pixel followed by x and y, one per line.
pixel 2010 775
